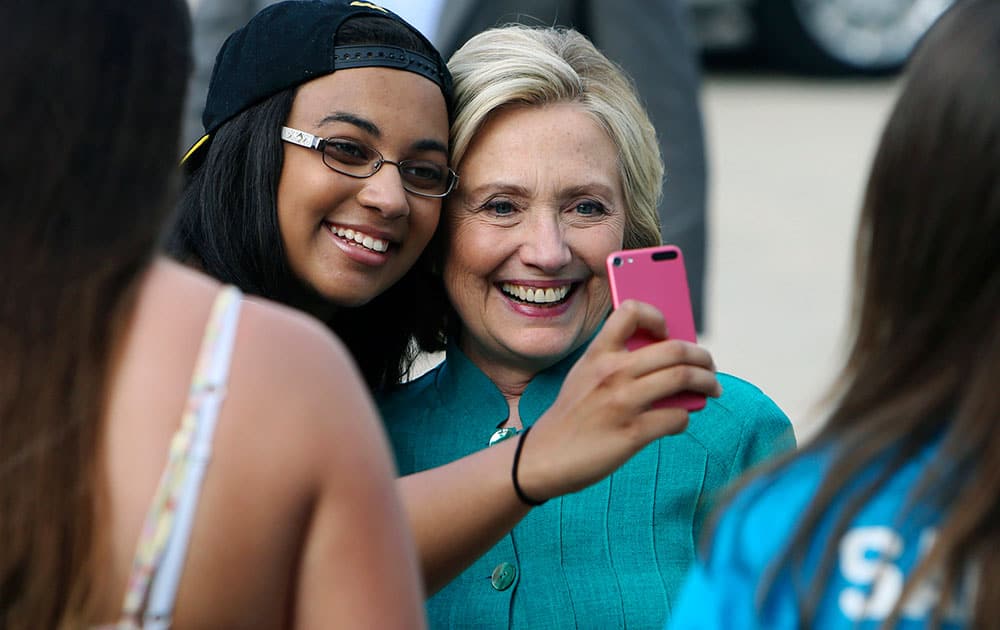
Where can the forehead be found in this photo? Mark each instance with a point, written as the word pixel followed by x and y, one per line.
pixel 560 139
pixel 391 98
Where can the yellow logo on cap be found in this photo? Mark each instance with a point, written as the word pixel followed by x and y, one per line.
pixel 370 5
pixel 195 147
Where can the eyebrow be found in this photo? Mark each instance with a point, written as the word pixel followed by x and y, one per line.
pixel 424 144
pixel 357 121
pixel 599 188
pixel 517 190
pixel 498 187
pixel 427 144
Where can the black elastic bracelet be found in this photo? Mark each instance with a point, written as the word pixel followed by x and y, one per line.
pixel 513 471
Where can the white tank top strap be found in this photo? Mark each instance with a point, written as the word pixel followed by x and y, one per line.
pixel 159 559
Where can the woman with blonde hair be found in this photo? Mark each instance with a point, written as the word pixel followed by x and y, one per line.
pixel 560 168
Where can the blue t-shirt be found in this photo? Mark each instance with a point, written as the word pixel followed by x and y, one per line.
pixel 878 550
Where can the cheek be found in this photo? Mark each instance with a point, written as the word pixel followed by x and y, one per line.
pixel 287 225
pixel 601 296
pixel 467 263
pixel 464 249
pixel 594 247
pixel 307 186
pixel 602 286
pixel 425 223
pixel 460 270
pixel 295 191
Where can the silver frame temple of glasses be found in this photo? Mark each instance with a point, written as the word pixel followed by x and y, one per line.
pixel 300 138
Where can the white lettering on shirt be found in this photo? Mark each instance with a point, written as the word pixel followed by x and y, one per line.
pixel 868 557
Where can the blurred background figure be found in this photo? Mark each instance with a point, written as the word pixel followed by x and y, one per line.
pixel 212 21
pixel 888 519
pixel 652 42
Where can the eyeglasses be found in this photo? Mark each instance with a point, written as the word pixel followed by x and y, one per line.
pixel 355 159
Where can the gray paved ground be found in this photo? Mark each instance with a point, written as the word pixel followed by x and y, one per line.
pixel 789 160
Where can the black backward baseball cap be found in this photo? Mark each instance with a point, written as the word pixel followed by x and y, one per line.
pixel 289 43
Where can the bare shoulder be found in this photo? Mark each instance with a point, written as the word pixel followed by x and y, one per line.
pixel 291 345
pixel 295 392
pixel 291 380
pixel 295 367
pixel 298 444
pixel 305 429
pixel 294 397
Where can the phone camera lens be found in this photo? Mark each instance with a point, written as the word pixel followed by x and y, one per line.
pixel 617 262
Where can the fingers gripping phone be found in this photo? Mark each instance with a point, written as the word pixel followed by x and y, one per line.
pixel 656 275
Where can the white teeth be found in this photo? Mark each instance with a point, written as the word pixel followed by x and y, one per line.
pixel 368 242
pixel 548 295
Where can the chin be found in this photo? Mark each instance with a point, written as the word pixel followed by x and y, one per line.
pixel 352 299
pixel 545 355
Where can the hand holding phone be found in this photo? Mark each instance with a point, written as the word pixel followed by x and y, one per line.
pixel 656 275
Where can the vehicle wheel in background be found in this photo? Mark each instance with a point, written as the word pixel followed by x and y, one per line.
pixel 839 37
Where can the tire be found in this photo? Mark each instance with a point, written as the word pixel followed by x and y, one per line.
pixel 843 37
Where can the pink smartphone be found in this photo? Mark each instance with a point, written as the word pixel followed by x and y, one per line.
pixel 656 275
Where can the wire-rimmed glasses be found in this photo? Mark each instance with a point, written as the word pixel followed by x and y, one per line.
pixel 346 156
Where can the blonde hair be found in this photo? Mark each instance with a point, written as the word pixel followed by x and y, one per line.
pixel 520 65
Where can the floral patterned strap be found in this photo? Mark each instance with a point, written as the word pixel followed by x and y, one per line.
pixel 160 519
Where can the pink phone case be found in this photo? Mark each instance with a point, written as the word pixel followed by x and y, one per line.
pixel 656 275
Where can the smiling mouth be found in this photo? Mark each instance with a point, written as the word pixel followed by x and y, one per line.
pixel 359 239
pixel 537 296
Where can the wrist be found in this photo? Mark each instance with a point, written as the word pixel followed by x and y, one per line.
pixel 525 498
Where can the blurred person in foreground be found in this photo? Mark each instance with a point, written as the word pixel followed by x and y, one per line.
pixel 560 168
pixel 265 478
pixel 890 517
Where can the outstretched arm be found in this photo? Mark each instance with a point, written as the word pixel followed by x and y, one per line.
pixel 601 418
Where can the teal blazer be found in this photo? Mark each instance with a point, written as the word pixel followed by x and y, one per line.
pixel 610 556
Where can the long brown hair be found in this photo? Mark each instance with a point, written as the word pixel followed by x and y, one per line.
pixel 90 117
pixel 925 359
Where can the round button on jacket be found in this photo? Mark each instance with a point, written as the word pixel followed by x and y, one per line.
pixel 503 576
